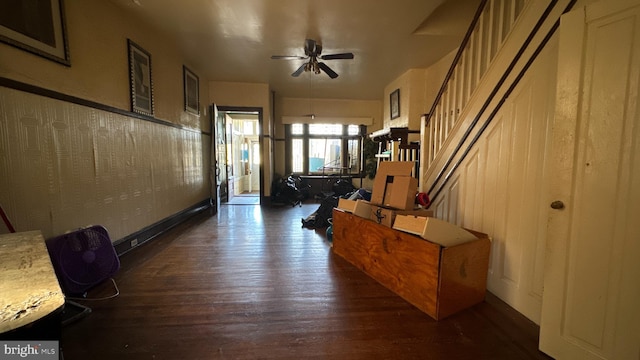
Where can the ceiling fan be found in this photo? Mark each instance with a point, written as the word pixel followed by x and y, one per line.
pixel 312 52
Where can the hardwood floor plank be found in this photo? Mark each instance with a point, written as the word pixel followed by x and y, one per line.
pixel 251 283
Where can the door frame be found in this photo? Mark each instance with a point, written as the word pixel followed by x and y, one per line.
pixel 260 113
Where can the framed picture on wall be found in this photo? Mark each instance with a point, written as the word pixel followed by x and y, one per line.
pixel 140 80
pixel 191 91
pixel 37 27
pixel 394 104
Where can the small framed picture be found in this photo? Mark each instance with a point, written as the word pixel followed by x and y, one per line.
pixel 140 80
pixel 37 27
pixel 191 91
pixel 394 104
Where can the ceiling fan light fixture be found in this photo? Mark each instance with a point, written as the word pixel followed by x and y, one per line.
pixel 312 51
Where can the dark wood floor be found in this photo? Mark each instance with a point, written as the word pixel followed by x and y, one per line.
pixel 251 283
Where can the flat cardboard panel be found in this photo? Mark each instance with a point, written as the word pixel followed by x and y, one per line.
pixel 357 207
pixel 386 216
pixel 346 205
pixel 401 193
pixel 363 209
pixel 434 230
pixel 387 171
pixel 360 208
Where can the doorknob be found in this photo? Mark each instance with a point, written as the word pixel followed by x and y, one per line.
pixel 558 205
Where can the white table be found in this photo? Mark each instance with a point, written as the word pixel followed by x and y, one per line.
pixel 29 288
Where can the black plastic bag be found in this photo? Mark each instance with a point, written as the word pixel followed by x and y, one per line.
pixel 319 219
pixel 286 191
pixel 342 187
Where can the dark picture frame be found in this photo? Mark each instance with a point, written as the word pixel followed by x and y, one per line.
pixel 37 27
pixel 394 104
pixel 191 91
pixel 140 81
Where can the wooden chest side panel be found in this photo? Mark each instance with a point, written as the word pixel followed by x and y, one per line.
pixel 404 263
pixel 463 276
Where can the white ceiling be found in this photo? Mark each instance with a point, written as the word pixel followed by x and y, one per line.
pixel 233 40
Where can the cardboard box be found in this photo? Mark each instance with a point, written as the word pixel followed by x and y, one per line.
pixel 394 186
pixel 357 207
pixel 432 229
pixel 437 280
pixel 386 216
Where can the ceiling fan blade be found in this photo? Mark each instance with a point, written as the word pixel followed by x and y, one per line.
pixel 288 57
pixel 337 56
pixel 309 47
pixel 332 74
pixel 299 71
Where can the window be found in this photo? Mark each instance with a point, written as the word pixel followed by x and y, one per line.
pixel 297 129
pixel 325 129
pixel 325 155
pixel 318 149
pixel 297 152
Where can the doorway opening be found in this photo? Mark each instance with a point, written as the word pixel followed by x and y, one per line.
pixel 239 155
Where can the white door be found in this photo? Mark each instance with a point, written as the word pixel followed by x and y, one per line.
pixel 255 166
pixel 591 300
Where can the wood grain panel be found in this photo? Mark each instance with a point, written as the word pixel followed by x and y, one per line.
pixel 463 275
pixel 401 262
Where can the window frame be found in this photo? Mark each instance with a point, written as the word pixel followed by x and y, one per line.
pixel 344 150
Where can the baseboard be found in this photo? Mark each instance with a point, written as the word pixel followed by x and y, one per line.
pixel 138 238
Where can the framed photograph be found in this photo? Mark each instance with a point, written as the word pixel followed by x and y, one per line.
pixel 140 79
pixel 191 91
pixel 37 27
pixel 394 104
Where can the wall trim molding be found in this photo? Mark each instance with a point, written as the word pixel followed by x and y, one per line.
pixel 148 233
pixel 33 89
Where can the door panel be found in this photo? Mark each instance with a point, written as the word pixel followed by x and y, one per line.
pixel 221 156
pixel 254 160
pixel 213 176
pixel 591 289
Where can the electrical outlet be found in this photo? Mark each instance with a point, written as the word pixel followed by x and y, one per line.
pixel 134 242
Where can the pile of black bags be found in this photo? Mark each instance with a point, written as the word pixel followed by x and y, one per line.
pixel 292 190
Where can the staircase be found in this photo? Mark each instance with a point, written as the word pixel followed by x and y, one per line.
pixel 501 42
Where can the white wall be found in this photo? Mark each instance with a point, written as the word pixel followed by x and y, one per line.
pixel 497 188
pixel 418 89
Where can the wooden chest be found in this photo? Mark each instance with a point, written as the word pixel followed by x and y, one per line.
pixel 437 280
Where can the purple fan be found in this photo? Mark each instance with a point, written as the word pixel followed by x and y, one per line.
pixel 83 258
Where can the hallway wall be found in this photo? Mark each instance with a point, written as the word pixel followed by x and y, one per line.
pixel 65 165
